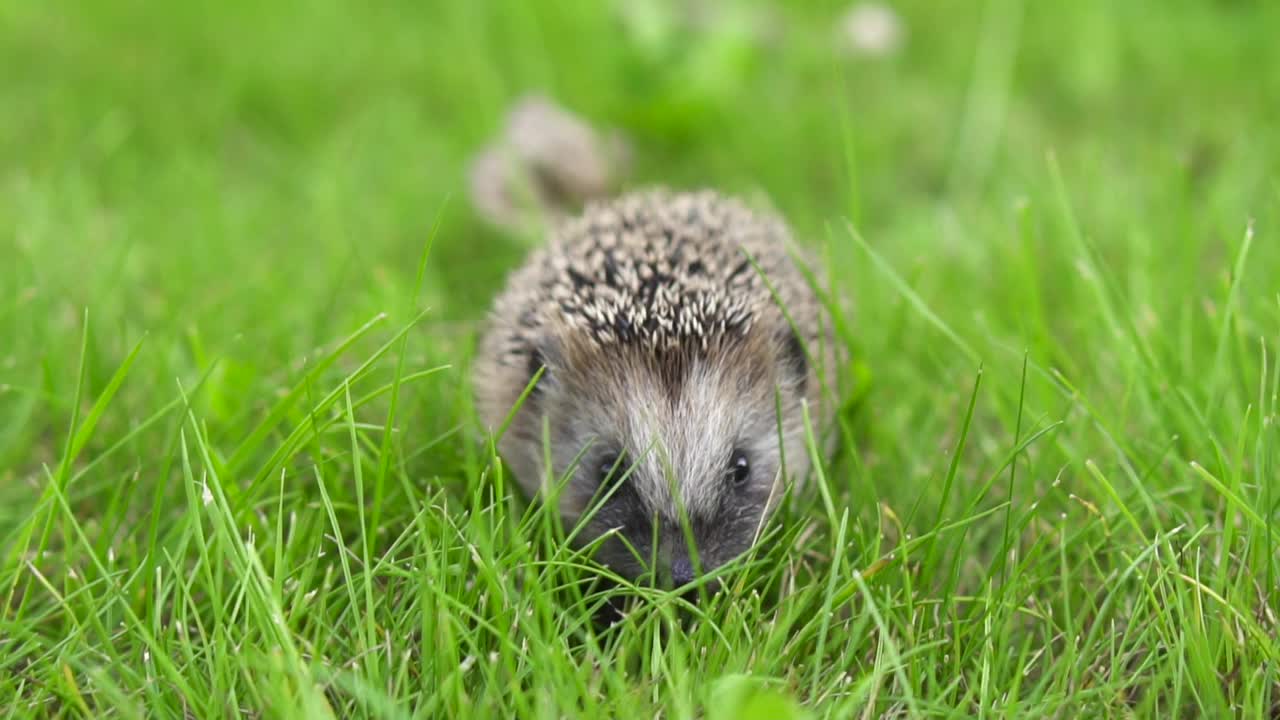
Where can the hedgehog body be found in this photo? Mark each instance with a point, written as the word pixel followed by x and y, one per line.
pixel 680 344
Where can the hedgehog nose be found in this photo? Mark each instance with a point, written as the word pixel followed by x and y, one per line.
pixel 682 571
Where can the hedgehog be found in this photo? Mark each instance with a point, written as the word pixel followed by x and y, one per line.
pixel 666 347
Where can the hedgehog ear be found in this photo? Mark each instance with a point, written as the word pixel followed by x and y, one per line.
pixel 793 358
pixel 542 353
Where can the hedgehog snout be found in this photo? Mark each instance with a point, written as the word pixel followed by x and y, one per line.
pixel 682 572
pixel 676 566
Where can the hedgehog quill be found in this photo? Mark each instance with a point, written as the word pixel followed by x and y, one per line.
pixel 672 383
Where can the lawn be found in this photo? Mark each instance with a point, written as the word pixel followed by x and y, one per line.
pixel 241 281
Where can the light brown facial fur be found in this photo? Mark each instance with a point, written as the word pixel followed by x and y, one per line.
pixel 666 360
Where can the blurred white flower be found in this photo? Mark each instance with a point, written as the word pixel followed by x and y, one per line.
pixel 871 29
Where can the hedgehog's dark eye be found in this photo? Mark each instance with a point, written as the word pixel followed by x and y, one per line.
pixel 612 467
pixel 739 468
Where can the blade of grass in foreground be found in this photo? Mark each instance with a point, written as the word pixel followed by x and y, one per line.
pixel 266 609
pixel 953 469
pixel 1231 310
pixel 259 433
pixel 155 648
pixel 385 453
pixel 289 446
pixel 78 435
pixel 912 296
pixel 19 550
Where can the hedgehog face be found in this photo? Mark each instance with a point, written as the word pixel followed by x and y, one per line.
pixel 678 460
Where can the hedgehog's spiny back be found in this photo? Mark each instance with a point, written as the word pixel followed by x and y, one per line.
pixel 653 269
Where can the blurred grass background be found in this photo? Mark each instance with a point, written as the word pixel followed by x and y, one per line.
pixel 239 186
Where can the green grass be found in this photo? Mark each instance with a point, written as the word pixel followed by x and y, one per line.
pixel 239 465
